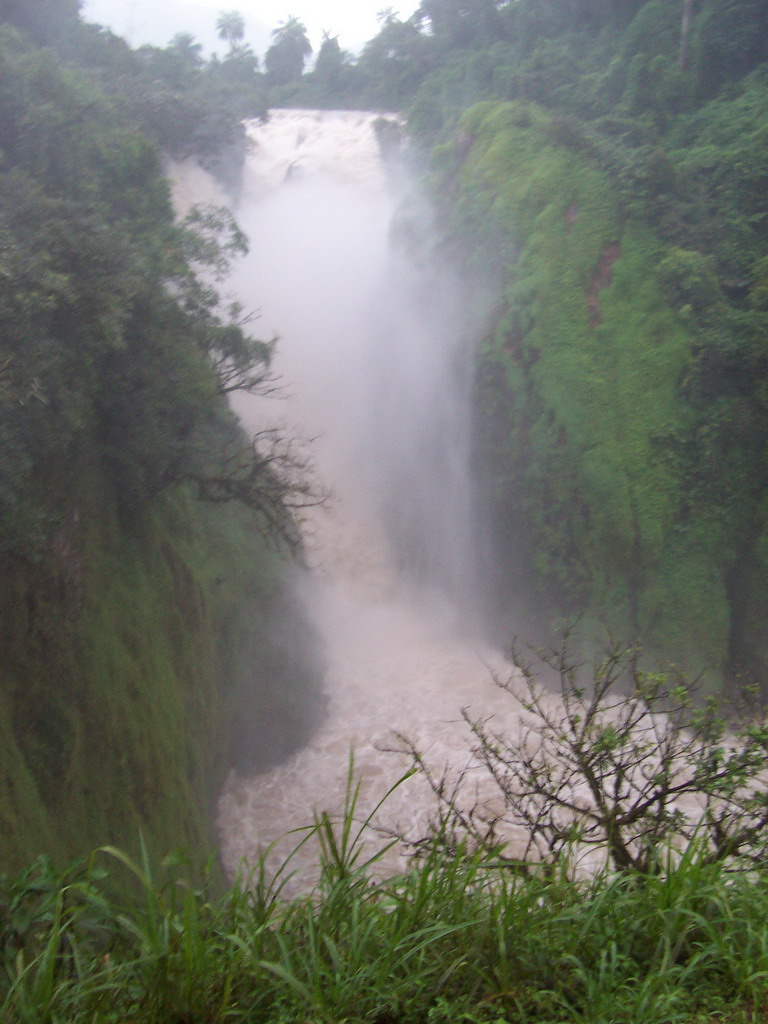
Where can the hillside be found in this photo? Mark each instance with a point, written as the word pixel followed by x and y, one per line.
pixel 138 619
pixel 612 186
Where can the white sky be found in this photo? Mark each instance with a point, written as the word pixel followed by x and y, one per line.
pixel 157 21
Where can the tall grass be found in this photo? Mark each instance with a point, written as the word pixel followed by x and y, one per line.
pixel 450 940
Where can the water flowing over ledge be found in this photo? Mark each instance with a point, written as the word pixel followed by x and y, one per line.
pixel 375 356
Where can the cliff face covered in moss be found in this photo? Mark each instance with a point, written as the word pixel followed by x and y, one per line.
pixel 124 653
pixel 578 389
pixel 622 416
pixel 138 587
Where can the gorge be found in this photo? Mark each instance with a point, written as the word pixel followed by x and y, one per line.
pixel 387 385
pixel 493 364
pixel 600 224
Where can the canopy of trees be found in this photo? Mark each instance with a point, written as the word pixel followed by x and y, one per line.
pixel 287 55
pixel 132 615
pixel 108 333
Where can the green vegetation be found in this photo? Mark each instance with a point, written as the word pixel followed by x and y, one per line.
pixel 674 931
pixel 138 666
pixel 610 182
pixel 452 940
pixel 615 767
pixel 602 166
pixel 581 374
pixel 136 619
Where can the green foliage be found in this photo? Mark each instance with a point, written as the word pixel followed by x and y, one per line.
pixel 454 939
pixel 44 21
pixel 616 766
pixel 135 620
pixel 588 355
pixel 129 655
pixel 285 59
pixel 689 282
pixel 332 82
pixel 107 319
pixel 186 105
pixel 230 26
pixel 623 417
pixel 393 64
pixel 730 40
pixel 462 23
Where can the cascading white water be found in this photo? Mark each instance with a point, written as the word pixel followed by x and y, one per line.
pixel 374 333
pixel 374 352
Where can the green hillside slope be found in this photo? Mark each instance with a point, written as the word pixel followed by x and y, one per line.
pixel 620 492
pixel 140 650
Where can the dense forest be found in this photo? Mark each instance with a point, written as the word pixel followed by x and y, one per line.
pixel 140 529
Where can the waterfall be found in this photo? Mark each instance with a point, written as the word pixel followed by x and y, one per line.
pixel 374 353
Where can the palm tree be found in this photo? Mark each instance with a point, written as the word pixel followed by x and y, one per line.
pixel 330 60
pixel 285 58
pixel 230 26
pixel 187 47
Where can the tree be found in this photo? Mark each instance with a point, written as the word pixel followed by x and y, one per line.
pixel 180 63
pixel 332 69
pixel 265 472
pixel 210 239
pixel 285 59
pixel 386 16
pixel 188 49
pixel 330 58
pixel 268 474
pixel 395 62
pixel 230 27
pixel 46 21
pixel 461 23
pixel 625 763
pixel 237 82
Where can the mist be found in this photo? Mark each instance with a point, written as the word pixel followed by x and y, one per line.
pixel 375 362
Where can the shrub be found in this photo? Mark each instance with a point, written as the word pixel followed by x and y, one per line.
pixel 628 766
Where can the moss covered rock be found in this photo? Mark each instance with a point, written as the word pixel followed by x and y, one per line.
pixel 128 652
pixel 579 392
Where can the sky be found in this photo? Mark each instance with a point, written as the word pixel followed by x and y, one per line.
pixel 157 21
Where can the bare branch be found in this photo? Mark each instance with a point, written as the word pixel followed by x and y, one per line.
pixel 625 762
pixel 270 476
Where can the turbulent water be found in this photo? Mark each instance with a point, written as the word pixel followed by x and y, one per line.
pixel 374 354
